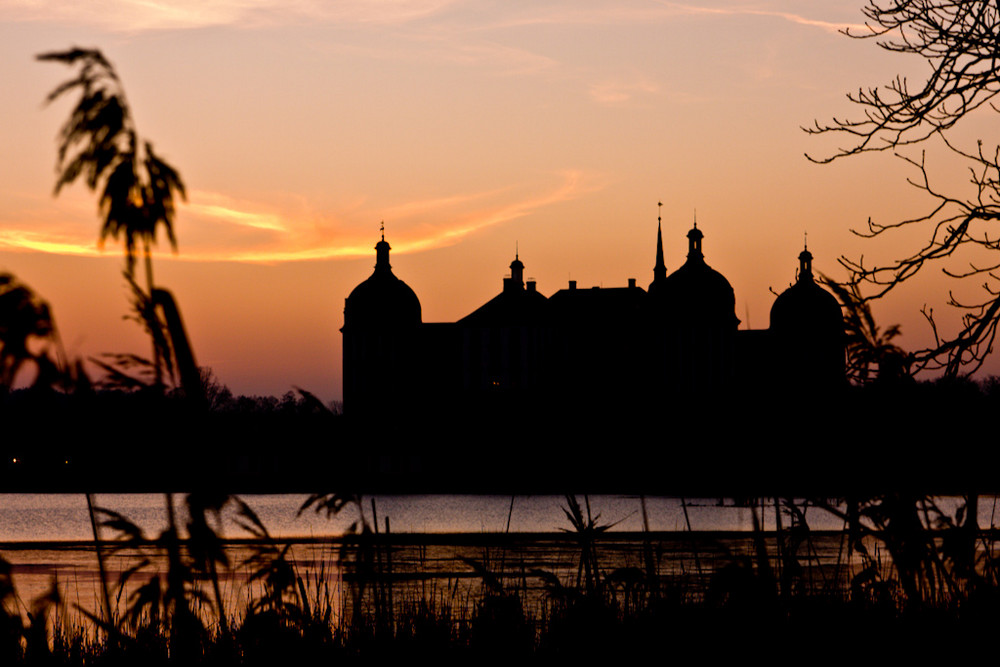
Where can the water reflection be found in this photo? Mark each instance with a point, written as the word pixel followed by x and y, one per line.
pixel 48 536
pixel 63 517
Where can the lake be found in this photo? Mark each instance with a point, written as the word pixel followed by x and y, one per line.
pixel 48 537
pixel 63 517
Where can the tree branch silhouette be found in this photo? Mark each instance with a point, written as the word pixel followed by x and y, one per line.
pixel 960 41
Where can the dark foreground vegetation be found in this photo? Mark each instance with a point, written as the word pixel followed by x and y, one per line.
pixel 904 579
pixel 921 437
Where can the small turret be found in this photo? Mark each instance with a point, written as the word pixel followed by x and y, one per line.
pixel 694 243
pixel 516 280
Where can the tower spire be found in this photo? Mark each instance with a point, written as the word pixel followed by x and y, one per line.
pixel 660 270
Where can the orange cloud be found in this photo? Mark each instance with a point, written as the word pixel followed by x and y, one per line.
pixel 23 240
pixel 214 227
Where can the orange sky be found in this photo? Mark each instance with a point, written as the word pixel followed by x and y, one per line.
pixel 468 127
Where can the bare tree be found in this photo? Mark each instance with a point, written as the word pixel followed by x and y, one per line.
pixel 960 41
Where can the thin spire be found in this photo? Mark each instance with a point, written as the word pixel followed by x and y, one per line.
pixel 660 270
pixel 382 229
pixel 696 218
pixel 515 249
pixel 660 267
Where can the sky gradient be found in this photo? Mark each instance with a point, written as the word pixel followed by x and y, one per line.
pixel 468 127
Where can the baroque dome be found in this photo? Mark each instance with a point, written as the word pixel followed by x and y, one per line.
pixel 382 299
pixel 699 292
pixel 805 306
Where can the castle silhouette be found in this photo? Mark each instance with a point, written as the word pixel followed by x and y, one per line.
pixel 617 348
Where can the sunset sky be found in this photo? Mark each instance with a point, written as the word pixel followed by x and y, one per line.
pixel 468 127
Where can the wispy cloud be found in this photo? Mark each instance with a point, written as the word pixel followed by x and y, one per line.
pixel 418 225
pixel 827 26
pixel 218 207
pixel 620 92
pixel 221 228
pixel 24 240
pixel 624 12
pixel 143 15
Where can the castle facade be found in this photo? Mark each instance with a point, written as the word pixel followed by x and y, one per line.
pixel 676 340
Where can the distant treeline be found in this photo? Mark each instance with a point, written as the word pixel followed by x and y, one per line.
pixel 930 436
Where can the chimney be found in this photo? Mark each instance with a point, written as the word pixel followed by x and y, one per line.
pixel 631 283
pixel 572 284
pixel 531 285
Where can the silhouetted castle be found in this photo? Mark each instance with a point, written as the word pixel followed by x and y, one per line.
pixel 604 347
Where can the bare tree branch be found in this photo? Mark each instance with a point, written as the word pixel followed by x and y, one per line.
pixel 960 42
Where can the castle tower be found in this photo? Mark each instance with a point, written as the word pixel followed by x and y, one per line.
pixel 807 330
pixel 701 324
pixel 381 321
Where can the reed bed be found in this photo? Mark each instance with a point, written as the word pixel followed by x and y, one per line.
pixel 903 576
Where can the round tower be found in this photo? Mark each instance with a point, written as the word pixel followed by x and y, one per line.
pixel 807 331
pixel 381 327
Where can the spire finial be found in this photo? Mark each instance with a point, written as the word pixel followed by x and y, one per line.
pixel 805 240
pixel 515 249
pixel 382 229
pixel 696 218
pixel 659 209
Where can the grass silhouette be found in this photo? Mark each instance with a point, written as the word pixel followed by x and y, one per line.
pixel 910 564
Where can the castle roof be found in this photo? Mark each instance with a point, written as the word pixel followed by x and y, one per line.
pixel 383 299
pixel 805 305
pixel 515 305
pixel 698 293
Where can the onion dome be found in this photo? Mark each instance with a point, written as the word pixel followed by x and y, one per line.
pixel 805 306
pixel 383 299
pixel 698 293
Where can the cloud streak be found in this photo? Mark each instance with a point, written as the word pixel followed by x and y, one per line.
pixel 613 93
pixel 826 26
pixel 144 15
pixel 220 228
